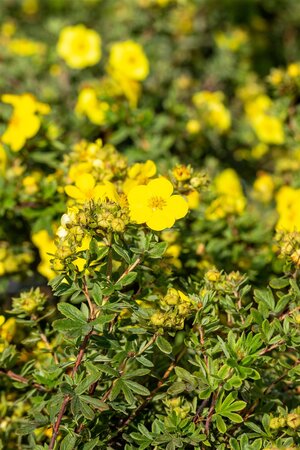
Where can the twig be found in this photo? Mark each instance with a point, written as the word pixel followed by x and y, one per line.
pixel 58 421
pixel 211 410
pixel 20 379
pixel 200 409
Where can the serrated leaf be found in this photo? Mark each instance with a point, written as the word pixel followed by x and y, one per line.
pixel 91 445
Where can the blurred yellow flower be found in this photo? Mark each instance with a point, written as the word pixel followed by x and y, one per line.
pixel 24 122
pixel 89 105
pixel 129 59
pixel 263 187
pixel 79 46
pixel 45 243
pixel 212 110
pixel 26 47
pixel 293 70
pixel 230 199
pixel 8 328
pixel 287 205
pixel 268 129
pixel 155 205
pixel 232 40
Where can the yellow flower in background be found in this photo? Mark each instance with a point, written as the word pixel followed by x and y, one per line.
pixel 8 328
pixel 85 189
pixel 139 174
pixel 155 205
pixel 263 187
pixel 193 126
pixel 230 198
pixel 24 122
pixel 128 58
pixel 79 46
pixel 232 40
pixel 45 243
pixel 89 105
pixel 212 110
pixel 26 47
pixel 287 205
pixel 293 70
pixel 268 129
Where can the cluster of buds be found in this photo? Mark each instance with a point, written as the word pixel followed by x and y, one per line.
pixel 175 307
pixel 189 183
pixel 179 405
pixel 289 244
pixel 29 302
pixel 292 420
pixel 223 282
pixel 103 162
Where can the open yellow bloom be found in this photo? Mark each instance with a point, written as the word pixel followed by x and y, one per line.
pixel 269 129
pixel 155 205
pixel 129 59
pixel 85 189
pixel 24 122
pixel 79 46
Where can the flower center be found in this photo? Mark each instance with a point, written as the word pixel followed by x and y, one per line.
pixel 156 203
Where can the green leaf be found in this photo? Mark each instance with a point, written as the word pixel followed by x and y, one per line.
pixel 279 283
pixel 86 410
pixel 185 375
pixel 71 312
pixel 127 279
pixel 86 383
pixel 121 252
pixel 220 423
pixel 116 389
pixel 163 345
pixel 91 445
pixel 94 402
pixel 68 442
pixel 158 250
pixel 136 387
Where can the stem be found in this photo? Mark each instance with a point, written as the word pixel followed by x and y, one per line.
pixel 20 379
pixel 58 422
pixel 211 411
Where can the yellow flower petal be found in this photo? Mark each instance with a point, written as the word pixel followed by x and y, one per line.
pixel 177 206
pixel 160 187
pixel 74 192
pixel 85 182
pixel 160 220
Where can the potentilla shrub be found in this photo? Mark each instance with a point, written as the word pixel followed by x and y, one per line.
pixel 135 356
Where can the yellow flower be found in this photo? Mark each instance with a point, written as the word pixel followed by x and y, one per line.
pixel 139 174
pixel 193 126
pixel 193 199
pixel 45 243
pixel 129 59
pixel 293 70
pixel 85 189
pixel 232 40
pixel 79 46
pixel 155 205
pixel 212 110
pixel 268 129
pixel 264 187
pixel 8 329
pixel 89 105
pixel 230 198
pixel 26 47
pixel 24 122
pixel 287 200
